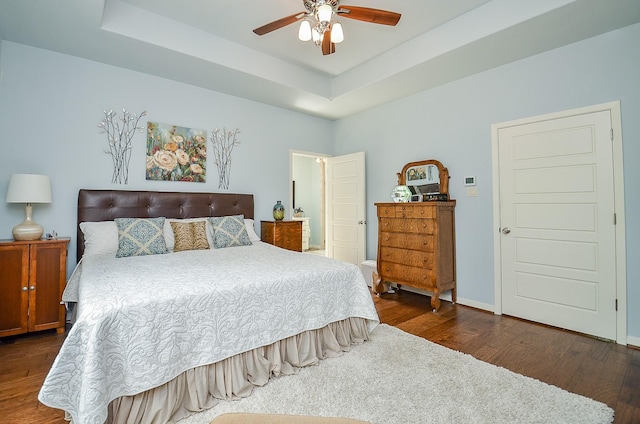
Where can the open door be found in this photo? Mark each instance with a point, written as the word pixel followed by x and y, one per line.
pixel 346 226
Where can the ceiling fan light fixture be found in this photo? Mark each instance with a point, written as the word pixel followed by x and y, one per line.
pixel 325 12
pixel 316 36
pixel 337 35
pixel 304 33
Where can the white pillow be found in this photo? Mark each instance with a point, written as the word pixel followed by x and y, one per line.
pixel 100 238
pixel 250 230
pixel 170 239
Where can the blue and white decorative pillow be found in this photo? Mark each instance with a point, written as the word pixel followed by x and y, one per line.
pixel 229 231
pixel 140 236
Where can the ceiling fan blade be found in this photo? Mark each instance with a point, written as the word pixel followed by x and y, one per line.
pixel 376 16
pixel 272 26
pixel 327 46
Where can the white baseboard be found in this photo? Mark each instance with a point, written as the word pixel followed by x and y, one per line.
pixel 633 341
pixel 447 296
pixel 475 304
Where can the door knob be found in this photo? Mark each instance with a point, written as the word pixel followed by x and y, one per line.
pixel 506 230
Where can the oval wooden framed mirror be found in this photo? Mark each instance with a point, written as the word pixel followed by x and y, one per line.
pixel 426 177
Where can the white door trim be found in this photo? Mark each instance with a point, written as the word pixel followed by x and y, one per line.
pixel 621 259
pixel 293 153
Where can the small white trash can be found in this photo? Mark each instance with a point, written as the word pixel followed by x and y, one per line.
pixel 368 267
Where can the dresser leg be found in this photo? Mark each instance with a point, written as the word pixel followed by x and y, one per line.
pixel 377 285
pixel 435 301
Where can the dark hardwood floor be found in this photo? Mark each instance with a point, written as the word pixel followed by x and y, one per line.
pixel 600 370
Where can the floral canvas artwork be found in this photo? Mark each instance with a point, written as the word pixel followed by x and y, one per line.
pixel 176 153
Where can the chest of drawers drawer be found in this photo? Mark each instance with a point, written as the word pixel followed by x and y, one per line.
pixel 406 241
pixel 420 278
pixel 407 225
pixel 401 256
pixel 406 210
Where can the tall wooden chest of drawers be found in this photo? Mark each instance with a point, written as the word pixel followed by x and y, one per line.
pixel 416 247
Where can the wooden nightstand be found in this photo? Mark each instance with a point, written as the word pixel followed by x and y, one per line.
pixel 33 277
pixel 285 234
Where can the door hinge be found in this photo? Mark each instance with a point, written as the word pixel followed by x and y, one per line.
pixel 615 219
pixel 611 134
pixel 616 304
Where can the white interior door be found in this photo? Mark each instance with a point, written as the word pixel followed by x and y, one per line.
pixel 345 189
pixel 557 223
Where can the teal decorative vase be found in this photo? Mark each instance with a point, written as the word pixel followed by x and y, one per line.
pixel 278 211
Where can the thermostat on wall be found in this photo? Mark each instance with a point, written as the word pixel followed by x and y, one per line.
pixel 469 181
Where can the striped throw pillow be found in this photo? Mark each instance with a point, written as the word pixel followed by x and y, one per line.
pixel 189 235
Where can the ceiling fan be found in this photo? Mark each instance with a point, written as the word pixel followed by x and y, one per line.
pixel 317 24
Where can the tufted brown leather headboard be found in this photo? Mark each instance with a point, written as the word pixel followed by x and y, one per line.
pixel 106 205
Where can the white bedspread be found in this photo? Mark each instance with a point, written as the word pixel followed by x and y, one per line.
pixel 142 321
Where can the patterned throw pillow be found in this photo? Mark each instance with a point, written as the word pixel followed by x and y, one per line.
pixel 140 236
pixel 190 235
pixel 229 231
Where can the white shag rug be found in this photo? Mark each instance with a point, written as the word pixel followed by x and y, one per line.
pixel 398 378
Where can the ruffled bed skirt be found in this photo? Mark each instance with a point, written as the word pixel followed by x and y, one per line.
pixel 200 388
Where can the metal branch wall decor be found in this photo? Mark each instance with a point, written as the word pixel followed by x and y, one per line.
pixel 224 141
pixel 120 131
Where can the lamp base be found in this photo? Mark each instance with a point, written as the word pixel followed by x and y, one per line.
pixel 28 229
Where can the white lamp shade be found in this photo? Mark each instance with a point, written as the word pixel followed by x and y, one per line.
pixel 324 13
pixel 29 188
pixel 304 33
pixel 337 36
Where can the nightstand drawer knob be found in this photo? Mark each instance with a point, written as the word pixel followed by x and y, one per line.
pixel 32 287
pixel 25 288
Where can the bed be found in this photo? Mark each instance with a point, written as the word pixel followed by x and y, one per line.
pixel 158 337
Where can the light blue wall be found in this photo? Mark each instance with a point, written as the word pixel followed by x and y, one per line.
pixel 51 104
pixel 452 123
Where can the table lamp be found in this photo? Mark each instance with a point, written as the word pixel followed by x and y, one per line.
pixel 28 188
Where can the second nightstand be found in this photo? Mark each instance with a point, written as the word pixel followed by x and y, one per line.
pixel 306 231
pixel 285 234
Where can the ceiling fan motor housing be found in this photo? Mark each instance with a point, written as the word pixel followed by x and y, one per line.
pixel 312 5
